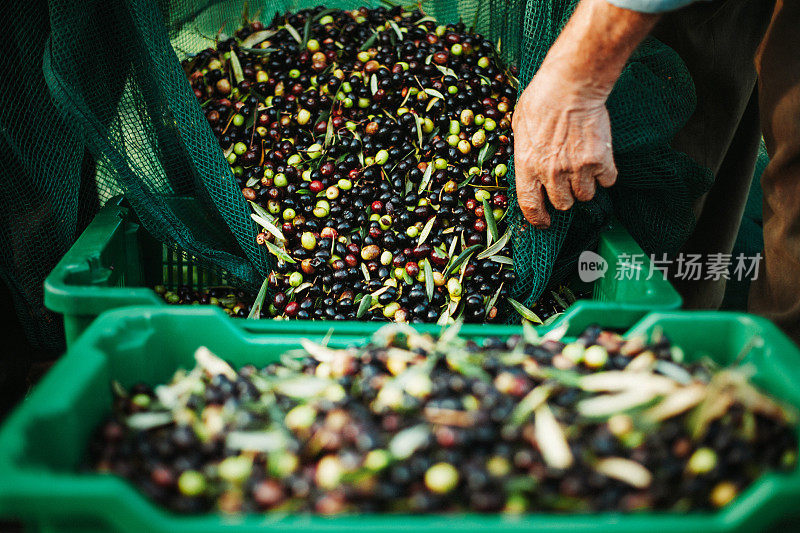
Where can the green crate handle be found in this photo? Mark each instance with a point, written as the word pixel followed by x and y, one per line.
pixel 40 488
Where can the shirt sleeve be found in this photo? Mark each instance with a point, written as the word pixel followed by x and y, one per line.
pixel 651 6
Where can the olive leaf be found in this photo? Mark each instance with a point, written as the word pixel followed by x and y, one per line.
pixel 255 38
pixel 487 150
pixel 503 260
pixel 559 300
pixel 446 71
pixel 257 441
pixel 306 33
pixel 303 286
pixel 491 224
pixel 496 247
pixel 426 230
pixel 425 19
pixel 625 470
pixel 677 402
pixel 408 186
pixel 569 295
pixel 380 291
pixel 279 252
pixel 366 302
pixel 303 386
pixel 258 51
pixel 552 319
pixel 535 398
pixel 148 420
pixel 529 334
pixel 373 83
pixel 293 32
pixel 405 443
pixel 428 280
pixel 444 318
pixel 260 211
pixel 119 390
pixel 462 257
pixel 524 312
pixel 431 104
pixel 606 405
pixel 550 439
pixel 621 380
pixel 267 225
pixel 258 304
pixel 426 177
pixel 676 372
pixel 435 93
pixel 360 152
pixel 567 378
pixel 251 121
pixel 493 300
pixel 365 271
pixel 369 42
pixel 418 121
pixel 324 13
pixel 452 249
pixel 556 334
pixel 466 181
pixel 328 134
pixel 213 364
pixel 460 361
pixel 396 29
pixel 236 68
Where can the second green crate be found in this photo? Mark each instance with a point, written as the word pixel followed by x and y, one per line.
pixel 116 263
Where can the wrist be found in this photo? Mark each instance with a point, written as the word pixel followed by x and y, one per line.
pixel 594 47
pixel 574 83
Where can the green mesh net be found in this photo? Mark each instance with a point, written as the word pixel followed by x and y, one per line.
pixel 105 76
pixel 656 187
pixel 47 196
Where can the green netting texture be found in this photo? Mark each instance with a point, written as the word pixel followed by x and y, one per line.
pixel 45 202
pixel 657 185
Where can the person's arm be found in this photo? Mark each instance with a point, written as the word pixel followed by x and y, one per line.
pixel 562 134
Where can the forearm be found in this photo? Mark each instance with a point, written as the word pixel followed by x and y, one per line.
pixel 594 46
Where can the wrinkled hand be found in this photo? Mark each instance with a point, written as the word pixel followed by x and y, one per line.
pixel 562 143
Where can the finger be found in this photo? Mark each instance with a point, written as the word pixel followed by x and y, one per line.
pixel 608 174
pixel 531 202
pixel 583 185
pixel 559 191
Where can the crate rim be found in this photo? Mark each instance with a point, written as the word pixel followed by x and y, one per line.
pixel 115 501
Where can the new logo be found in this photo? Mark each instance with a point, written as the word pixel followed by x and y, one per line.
pixel 591 266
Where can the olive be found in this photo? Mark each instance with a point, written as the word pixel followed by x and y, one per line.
pixel 362 189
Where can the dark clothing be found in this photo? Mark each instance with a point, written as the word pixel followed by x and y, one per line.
pixel 737 98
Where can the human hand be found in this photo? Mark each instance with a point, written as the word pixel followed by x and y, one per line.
pixel 562 144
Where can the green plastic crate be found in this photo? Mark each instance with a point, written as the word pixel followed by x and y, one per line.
pixel 44 441
pixel 115 263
